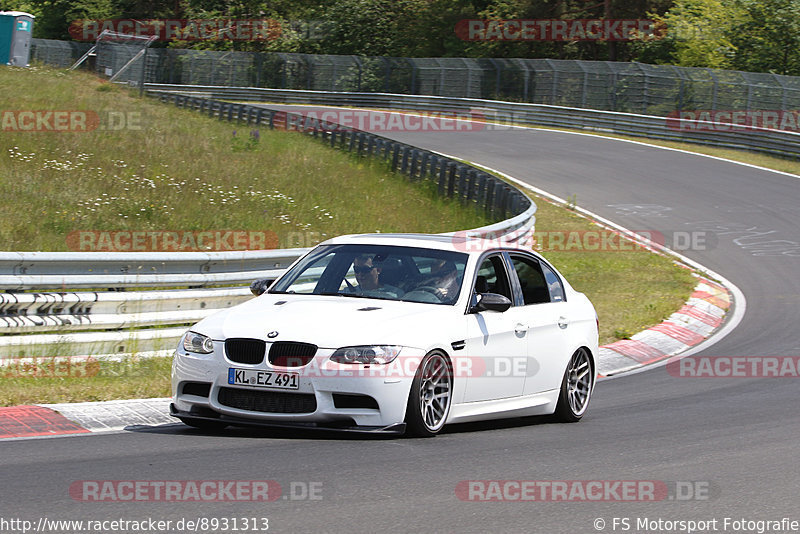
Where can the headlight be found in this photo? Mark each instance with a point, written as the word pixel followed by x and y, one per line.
pixel 194 342
pixel 366 354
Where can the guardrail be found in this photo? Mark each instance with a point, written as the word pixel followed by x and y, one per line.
pixel 54 320
pixel 769 141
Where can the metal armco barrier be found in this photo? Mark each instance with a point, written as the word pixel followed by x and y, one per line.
pixel 43 316
pixel 769 141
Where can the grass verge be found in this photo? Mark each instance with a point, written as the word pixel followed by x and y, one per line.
pixel 150 167
pixel 47 381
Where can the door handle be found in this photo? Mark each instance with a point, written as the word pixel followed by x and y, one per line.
pixel 563 322
pixel 521 329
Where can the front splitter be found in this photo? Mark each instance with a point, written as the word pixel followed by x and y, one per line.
pixel 395 429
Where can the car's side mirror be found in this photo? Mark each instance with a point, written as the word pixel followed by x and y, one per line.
pixel 258 287
pixel 491 302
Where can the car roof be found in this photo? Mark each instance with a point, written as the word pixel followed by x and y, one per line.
pixel 458 242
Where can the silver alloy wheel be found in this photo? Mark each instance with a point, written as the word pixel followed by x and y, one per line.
pixel 434 391
pixel 579 381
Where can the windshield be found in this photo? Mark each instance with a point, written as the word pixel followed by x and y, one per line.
pixel 378 271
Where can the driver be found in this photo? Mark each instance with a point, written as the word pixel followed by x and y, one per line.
pixel 368 278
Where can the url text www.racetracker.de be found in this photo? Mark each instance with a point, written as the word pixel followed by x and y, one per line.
pixel 146 525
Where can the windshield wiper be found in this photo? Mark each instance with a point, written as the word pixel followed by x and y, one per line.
pixel 337 294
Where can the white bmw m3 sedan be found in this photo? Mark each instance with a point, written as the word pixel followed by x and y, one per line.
pixel 393 334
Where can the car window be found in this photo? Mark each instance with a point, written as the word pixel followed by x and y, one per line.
pixel 553 284
pixel 378 271
pixel 492 278
pixel 532 280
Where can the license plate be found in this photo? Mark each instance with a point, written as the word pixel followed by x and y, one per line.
pixel 262 379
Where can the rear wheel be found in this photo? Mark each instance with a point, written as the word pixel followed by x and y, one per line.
pixel 430 397
pixel 576 388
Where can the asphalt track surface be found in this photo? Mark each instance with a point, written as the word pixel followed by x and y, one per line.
pixel 736 438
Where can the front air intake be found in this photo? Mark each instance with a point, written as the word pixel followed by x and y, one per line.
pixel 291 353
pixel 267 401
pixel 245 350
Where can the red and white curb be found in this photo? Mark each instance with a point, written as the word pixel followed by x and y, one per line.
pixel 702 314
pixel 82 417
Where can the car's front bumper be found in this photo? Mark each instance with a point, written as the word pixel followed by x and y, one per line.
pixel 394 429
pixel 322 383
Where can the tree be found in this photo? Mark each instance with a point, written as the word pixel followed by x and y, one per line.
pixel 697 34
pixel 767 37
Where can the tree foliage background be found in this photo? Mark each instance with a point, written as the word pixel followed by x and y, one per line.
pixel 754 35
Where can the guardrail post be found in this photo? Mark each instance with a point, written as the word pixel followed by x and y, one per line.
pixel 352 141
pixel 434 163
pixel 480 193
pixel 360 144
pixel 491 183
pixel 395 154
pixel 230 112
pixel 463 184
pixel 516 200
pixel 499 199
pixel 412 172
pixel 404 166
pixel 423 167
pixel 451 178
pixel 472 180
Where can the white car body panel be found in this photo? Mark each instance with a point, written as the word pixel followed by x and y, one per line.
pixel 491 341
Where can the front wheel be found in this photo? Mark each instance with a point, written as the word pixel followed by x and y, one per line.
pixel 576 388
pixel 430 397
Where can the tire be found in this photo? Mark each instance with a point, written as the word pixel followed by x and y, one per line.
pixel 430 397
pixel 202 424
pixel 576 388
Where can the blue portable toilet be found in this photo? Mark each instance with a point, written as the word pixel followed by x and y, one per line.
pixel 16 29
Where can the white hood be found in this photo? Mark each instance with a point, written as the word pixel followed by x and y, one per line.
pixel 331 321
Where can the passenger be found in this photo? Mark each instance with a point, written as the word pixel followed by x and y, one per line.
pixel 440 285
pixel 444 276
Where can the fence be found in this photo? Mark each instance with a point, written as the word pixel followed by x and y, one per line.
pixel 768 141
pixel 55 320
pixel 602 85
